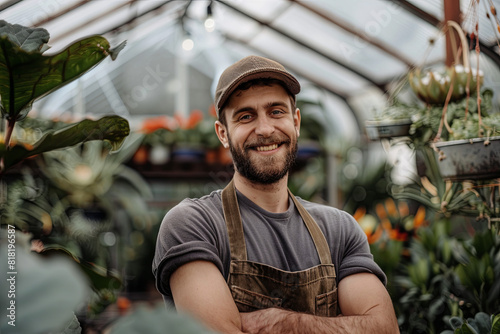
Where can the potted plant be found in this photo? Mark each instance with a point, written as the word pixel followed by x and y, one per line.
pixel 27 74
pixel 393 121
pixel 461 123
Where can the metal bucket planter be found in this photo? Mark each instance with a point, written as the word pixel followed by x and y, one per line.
pixel 387 129
pixel 469 159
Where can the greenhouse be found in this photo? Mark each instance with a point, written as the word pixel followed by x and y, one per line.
pixel 258 166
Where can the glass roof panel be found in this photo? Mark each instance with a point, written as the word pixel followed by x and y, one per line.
pixel 433 7
pixel 339 44
pixel 389 24
pixel 227 19
pixel 263 10
pixel 29 12
pixel 307 62
pixel 321 41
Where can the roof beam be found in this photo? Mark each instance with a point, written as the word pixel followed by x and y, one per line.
pixel 452 13
pixel 136 17
pixel 303 74
pixel 9 4
pixel 94 19
pixel 309 77
pixel 303 44
pixel 55 16
pixel 412 9
pixel 348 27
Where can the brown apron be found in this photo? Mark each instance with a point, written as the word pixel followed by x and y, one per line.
pixel 257 286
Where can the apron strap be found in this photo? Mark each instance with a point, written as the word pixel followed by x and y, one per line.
pixel 234 225
pixel 317 235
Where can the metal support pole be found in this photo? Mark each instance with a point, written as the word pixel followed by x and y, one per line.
pixel 451 13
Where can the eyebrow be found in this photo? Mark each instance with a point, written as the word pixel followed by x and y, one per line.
pixel 277 104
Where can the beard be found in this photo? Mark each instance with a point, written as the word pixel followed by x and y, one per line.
pixel 268 171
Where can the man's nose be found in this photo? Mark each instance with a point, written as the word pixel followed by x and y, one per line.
pixel 264 127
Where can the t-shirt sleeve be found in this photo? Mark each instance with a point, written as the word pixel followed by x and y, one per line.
pixel 356 256
pixel 187 233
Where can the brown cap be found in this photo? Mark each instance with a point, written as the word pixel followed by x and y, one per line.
pixel 249 68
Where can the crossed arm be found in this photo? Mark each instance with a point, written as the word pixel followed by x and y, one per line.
pixel 199 288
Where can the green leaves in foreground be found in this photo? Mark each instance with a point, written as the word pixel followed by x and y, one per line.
pixel 112 129
pixel 482 323
pixel 48 291
pixel 26 74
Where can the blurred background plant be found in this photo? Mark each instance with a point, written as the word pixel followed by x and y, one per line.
pixel 167 137
pixel 25 65
pixel 437 267
pixel 482 323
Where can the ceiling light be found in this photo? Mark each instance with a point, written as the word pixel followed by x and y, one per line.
pixel 209 21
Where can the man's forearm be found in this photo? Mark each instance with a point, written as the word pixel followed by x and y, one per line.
pixel 281 321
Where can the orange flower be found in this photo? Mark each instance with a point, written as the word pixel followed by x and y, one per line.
pixel 391 207
pixel 180 120
pixel 212 111
pixel 190 122
pixel 371 228
pixel 152 124
pixel 373 237
pixel 193 120
pixel 380 210
pixel 360 212
pixel 386 224
pixel 403 209
pixel 419 217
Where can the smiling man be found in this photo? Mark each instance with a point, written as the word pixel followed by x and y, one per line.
pixel 253 258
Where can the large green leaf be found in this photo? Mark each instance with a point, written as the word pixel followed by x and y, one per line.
pixel 29 39
pixel 495 324
pixel 158 320
pixel 26 74
pixel 110 128
pixel 99 277
pixel 48 291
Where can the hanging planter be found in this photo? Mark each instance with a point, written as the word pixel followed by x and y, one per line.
pixel 388 128
pixel 469 159
pixel 395 120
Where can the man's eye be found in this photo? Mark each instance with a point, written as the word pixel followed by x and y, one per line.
pixel 277 112
pixel 245 117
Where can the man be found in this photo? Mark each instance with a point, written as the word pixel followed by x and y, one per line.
pixel 253 258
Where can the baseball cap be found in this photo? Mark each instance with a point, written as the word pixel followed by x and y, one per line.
pixel 250 68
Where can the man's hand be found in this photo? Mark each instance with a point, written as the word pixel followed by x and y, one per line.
pixel 364 301
pixel 271 320
pixel 199 289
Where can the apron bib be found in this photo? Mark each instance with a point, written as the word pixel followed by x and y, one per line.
pixel 256 286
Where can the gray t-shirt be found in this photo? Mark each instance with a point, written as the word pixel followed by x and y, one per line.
pixel 195 230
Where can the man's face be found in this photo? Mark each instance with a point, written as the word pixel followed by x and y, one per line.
pixel 262 132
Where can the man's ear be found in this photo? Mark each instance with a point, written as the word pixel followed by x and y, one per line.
pixel 296 121
pixel 221 132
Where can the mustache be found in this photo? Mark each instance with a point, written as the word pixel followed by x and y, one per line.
pixel 267 141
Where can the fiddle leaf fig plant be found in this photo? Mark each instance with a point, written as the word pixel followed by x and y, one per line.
pixel 27 74
pixel 112 129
